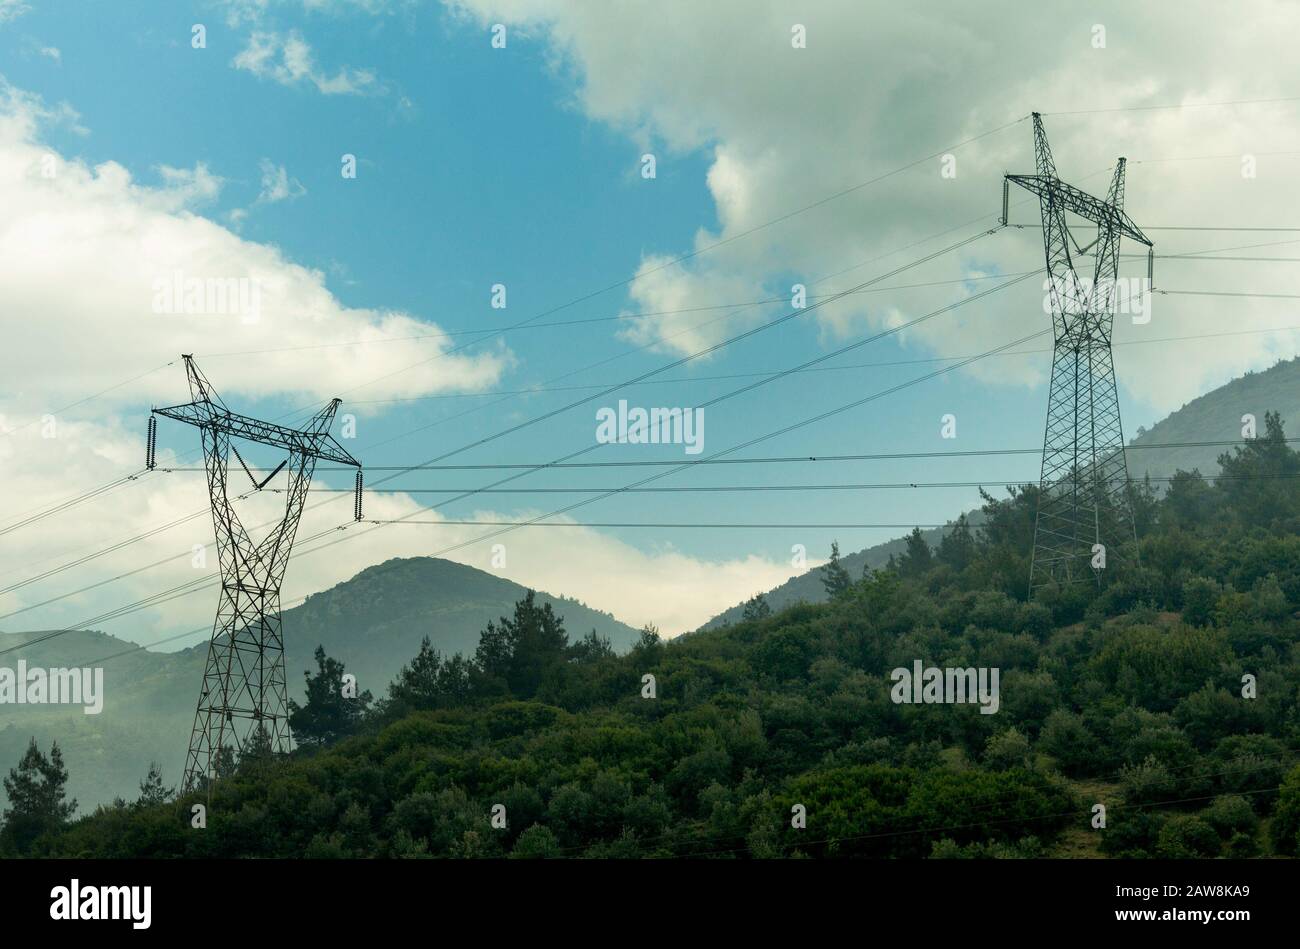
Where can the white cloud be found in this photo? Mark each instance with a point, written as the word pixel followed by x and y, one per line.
pixel 288 60
pixel 256 11
pixel 11 10
pixel 78 256
pixel 880 85
pixel 185 187
pixel 277 185
pixel 85 251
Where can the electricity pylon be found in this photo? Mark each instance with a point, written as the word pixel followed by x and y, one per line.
pixel 243 699
pixel 1084 521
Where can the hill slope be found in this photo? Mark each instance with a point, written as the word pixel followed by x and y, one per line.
pixel 807 587
pixel 373 623
pixel 925 712
pixel 1214 417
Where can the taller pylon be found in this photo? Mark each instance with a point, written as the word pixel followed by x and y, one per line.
pixel 243 697
pixel 1085 516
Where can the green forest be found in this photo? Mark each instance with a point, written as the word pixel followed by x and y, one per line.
pixel 1166 694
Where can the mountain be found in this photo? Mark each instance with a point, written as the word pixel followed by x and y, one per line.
pixel 1213 417
pixel 1217 417
pixel 373 623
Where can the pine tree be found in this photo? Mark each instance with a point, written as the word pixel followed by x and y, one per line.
pixel 520 650
pixel 835 579
pixel 756 608
pixel 591 648
pixel 917 558
pixel 152 791
pixel 957 549
pixel 224 763
pixel 329 714
pixel 416 685
pixel 37 799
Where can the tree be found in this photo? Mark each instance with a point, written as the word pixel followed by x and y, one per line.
pixel 522 649
pixel 835 579
pixel 37 798
pixel 957 549
pixel 257 757
pixel 429 681
pixel 917 559
pixel 538 842
pixel 332 711
pixel 756 608
pixel 224 763
pixel 1257 478
pixel 1285 829
pixel 591 648
pixel 648 649
pixel 152 791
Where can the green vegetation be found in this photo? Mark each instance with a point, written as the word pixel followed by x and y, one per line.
pixel 1134 694
pixel 372 623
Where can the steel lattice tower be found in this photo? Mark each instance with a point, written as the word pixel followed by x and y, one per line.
pixel 1084 487
pixel 243 698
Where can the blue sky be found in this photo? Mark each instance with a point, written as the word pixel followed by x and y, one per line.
pixel 521 166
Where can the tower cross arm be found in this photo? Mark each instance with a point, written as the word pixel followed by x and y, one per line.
pixel 1081 203
pixel 318 444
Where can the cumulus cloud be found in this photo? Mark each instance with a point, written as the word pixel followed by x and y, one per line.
pixel 82 251
pixel 289 60
pixel 277 185
pixel 881 85
pixel 89 258
pixel 11 10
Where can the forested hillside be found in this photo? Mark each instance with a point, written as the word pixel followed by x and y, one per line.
pixel 1167 695
pixel 373 622
pixel 1189 439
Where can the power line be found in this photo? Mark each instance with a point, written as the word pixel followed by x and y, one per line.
pixel 194 586
pixel 101 552
pixel 766 372
pixel 73 405
pixel 969 453
pixel 789 459
pixel 824 200
pixel 622 317
pixel 1184 227
pixel 776 433
pixel 1228 293
pixel 794 313
pixel 716 244
pixel 408 468
pixel 739 447
pixel 71 502
pixel 741 488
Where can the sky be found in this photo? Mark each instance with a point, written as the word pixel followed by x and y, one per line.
pixel 375 175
